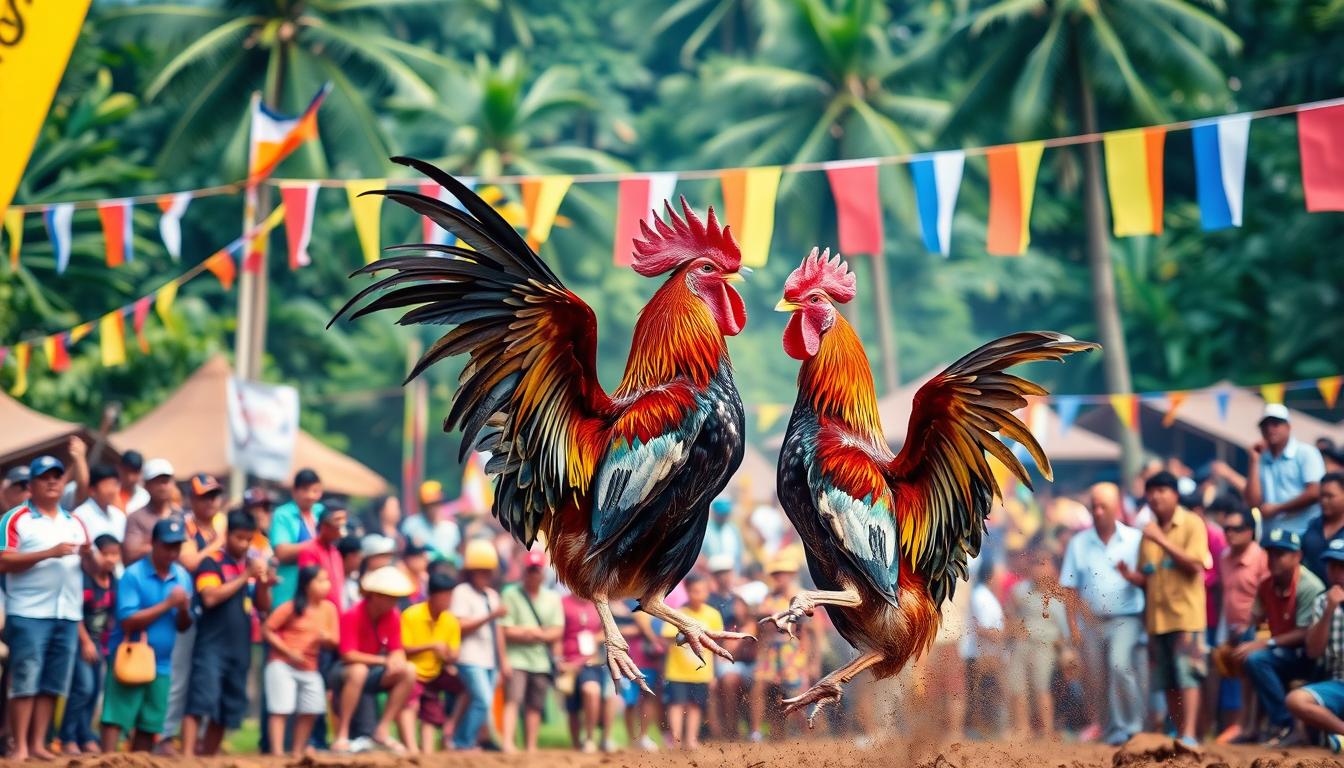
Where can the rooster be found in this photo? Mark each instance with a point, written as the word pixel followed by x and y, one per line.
pixel 617 485
pixel 887 536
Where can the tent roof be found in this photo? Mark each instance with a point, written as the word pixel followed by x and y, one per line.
pixel 191 430
pixel 1241 428
pixel 28 432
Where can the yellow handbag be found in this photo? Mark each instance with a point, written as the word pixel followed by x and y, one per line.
pixel 134 662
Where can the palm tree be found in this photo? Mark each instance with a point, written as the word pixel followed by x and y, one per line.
pixel 1048 63
pixel 699 19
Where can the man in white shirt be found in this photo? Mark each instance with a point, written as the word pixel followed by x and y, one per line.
pixel 1284 480
pixel 99 513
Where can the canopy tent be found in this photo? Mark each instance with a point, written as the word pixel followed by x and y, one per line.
pixel 191 430
pixel 27 434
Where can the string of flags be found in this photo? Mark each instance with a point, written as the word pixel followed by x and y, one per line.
pixel 111 326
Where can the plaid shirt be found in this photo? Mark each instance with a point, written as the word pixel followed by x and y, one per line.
pixel 1334 645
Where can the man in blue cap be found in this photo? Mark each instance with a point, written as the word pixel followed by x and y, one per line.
pixel 1321 705
pixel 722 539
pixel 153 599
pixel 40 548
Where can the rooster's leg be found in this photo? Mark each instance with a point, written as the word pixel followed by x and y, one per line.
pixel 618 649
pixel 829 688
pixel 805 602
pixel 697 637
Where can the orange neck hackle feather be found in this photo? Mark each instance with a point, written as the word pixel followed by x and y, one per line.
pixel 675 338
pixel 838 384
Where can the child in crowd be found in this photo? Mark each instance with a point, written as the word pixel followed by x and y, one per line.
pixel 100 601
pixel 296 632
pixel 352 558
pixel 431 636
pixel 686 691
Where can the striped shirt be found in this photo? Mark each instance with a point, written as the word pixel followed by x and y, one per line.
pixel 52 588
pixel 1334 644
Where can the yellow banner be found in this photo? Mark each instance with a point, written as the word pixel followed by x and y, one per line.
pixel 21 353
pixel 14 229
pixel 541 201
pixel 1329 388
pixel 749 196
pixel 1273 393
pixel 1134 180
pixel 163 305
pixel 35 44
pixel 368 214
pixel 112 339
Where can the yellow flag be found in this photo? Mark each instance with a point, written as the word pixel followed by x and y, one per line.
pixel 749 195
pixel 1329 388
pixel 1134 180
pixel 163 304
pixel 80 331
pixel 767 414
pixel 35 44
pixel 21 353
pixel 1273 393
pixel 1127 409
pixel 14 229
pixel 541 202
pixel 368 214
pixel 112 339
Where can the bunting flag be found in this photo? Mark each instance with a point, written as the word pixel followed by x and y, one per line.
pixel 80 331
pixel 636 198
pixel 1174 400
pixel 1127 410
pixel 432 232
pixel 1066 407
pixel 1134 180
pixel 14 231
pixel 1012 188
pixel 541 202
pixel 1222 397
pixel 300 201
pixel 57 218
pixel 274 136
pixel 220 263
pixel 1272 393
pixel 163 304
pixel 112 339
pixel 58 358
pixel 749 202
pixel 858 206
pixel 170 223
pixel 1220 169
pixel 1320 137
pixel 1329 389
pixel 138 315
pixel 767 415
pixel 115 216
pixel 368 213
pixel 937 182
pixel 21 353
pixel 478 493
pixel 1038 421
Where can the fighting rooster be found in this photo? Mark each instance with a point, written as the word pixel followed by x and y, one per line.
pixel 887 536
pixel 618 485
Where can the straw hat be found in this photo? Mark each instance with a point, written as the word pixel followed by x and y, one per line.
pixel 480 556
pixel 782 563
pixel 388 580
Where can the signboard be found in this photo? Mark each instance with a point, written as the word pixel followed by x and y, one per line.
pixel 263 422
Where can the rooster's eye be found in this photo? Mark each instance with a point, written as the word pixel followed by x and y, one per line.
pixel 707 269
pixel 816 299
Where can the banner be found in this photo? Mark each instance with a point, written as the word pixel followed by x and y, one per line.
pixel 300 200
pixel 170 223
pixel 57 218
pixel 749 202
pixel 1320 137
pixel 937 182
pixel 112 339
pixel 637 198
pixel 115 216
pixel 274 136
pixel 541 201
pixel 21 353
pixel 14 231
pixel 35 44
pixel 1134 180
pixel 1012 188
pixel 1220 169
pixel 367 212
pixel 263 425
pixel 858 206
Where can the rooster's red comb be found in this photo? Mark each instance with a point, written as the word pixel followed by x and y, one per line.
pixel 679 241
pixel 820 270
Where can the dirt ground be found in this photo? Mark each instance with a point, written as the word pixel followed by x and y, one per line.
pixel 1143 752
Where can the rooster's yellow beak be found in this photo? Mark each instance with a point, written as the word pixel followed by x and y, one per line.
pixel 733 277
pixel 785 305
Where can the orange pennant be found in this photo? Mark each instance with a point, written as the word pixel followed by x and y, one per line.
pixel 1174 400
pixel 1329 389
pixel 221 264
pixel 1127 410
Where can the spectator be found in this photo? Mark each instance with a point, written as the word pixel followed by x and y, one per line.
pixel 1284 600
pixel 352 556
pixel 14 491
pixel 415 564
pixel 782 665
pixel 377 551
pixel 481 658
pixel 983 644
pixel 581 661
pixel 374 659
pixel 1241 568
pixel 293 524
pixel 131 495
pixel 324 552
pixel 1040 625
pixel 259 503
pixel 40 559
pixel 431 637
pixel 687 676
pixel 153 601
pixel 160 505
pixel 722 539
pixel 1284 477
pixel 99 513
pixel 384 518
pixel 75 483
pixel 296 633
pixel 1326 528
pixel 430 528
pixel 771 528
pixel 533 621
pixel 1172 561
pixel 1109 611
pixel 1333 460
pixel 100 601
pixel 736 676
pixel 1320 705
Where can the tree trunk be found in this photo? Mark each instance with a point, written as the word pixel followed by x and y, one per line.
pixel 886 333
pixel 1114 358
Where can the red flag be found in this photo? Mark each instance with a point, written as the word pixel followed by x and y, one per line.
pixel 1320 135
pixel 299 200
pixel 138 316
pixel 115 216
pixel 858 207
pixel 632 205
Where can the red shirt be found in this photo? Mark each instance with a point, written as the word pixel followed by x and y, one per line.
pixel 361 633
pixel 329 559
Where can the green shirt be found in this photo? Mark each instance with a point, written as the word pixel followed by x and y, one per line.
pixel 530 657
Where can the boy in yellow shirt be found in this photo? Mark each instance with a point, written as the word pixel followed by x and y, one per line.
pixel 431 636
pixel 687 691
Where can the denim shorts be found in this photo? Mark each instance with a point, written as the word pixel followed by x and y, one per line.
pixel 1329 694
pixel 41 655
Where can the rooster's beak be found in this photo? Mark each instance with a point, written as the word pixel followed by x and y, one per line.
pixel 733 277
pixel 785 305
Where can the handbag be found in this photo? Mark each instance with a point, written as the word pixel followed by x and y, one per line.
pixel 134 662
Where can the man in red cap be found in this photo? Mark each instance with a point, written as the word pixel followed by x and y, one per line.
pixel 534 620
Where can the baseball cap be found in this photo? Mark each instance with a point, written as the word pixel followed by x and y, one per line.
pixel 534 558
pixel 169 531
pixel 1334 551
pixel 440 582
pixel 19 474
pixel 44 464
pixel 132 460
pixel 204 485
pixel 376 544
pixel 158 468
pixel 1275 411
pixel 722 505
pixel 388 580
pixel 101 472
pixel 720 563
pixel 431 492
pixel 258 497
pixel 1281 538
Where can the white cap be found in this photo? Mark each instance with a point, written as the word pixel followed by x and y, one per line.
pixel 376 544
pixel 1275 411
pixel 158 468
pixel 388 580
pixel 719 563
